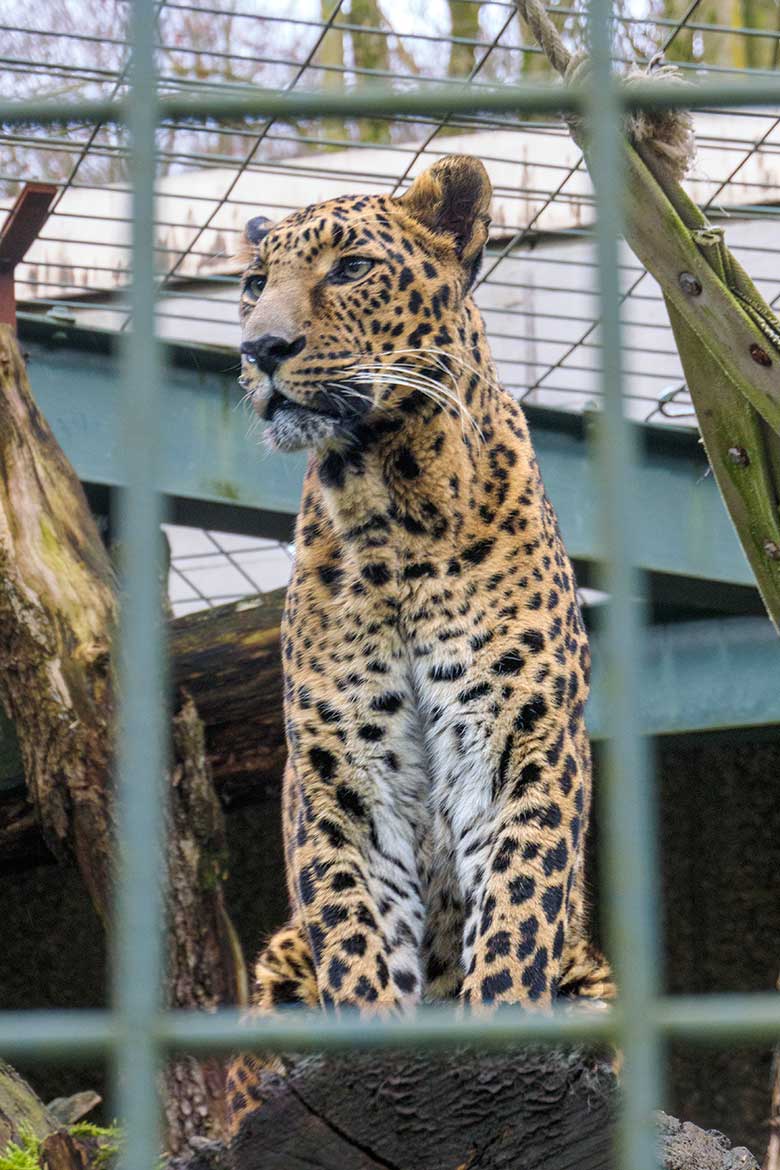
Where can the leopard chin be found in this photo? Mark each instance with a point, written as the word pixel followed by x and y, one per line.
pixel 292 427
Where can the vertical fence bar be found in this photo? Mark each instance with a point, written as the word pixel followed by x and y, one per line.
pixel 629 828
pixel 141 749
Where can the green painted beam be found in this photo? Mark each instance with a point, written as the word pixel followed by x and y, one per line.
pixel 719 1019
pixel 215 474
pixel 701 676
pixel 715 675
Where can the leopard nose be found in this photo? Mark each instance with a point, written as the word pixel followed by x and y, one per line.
pixel 269 351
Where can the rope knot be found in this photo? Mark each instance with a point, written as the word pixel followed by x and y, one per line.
pixel 667 133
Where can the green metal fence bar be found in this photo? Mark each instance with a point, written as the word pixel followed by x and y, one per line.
pixel 627 839
pixel 369 102
pixel 39 1035
pixel 137 966
pixel 750 1018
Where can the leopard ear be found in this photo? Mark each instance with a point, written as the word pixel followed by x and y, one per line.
pixel 453 196
pixel 256 229
pixel 254 232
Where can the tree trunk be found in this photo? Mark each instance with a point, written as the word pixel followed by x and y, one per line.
pixel 58 609
pixel 370 51
pixel 57 617
pixel 205 963
pixel 20 1110
pixel 228 660
pixel 464 23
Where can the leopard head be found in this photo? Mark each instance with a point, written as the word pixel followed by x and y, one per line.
pixel 354 309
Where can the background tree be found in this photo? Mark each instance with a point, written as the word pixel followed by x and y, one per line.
pixel 464 29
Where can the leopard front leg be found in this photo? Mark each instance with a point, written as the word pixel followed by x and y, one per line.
pixel 283 975
pixel 357 898
pixel 521 872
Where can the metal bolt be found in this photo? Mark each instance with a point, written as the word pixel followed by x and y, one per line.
pixel 689 284
pixel 739 456
pixel 760 355
pixel 772 550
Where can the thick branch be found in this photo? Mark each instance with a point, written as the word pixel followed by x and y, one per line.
pixel 229 660
pixel 20 1110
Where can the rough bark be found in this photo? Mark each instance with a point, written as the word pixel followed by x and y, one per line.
pixel 57 617
pixel 228 658
pixel 772 1156
pixel 20 1109
pixel 529 1110
pixel 58 608
pixel 224 657
pixel 62 1151
pixel 205 963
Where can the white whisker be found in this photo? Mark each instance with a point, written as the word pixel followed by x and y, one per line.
pixel 382 370
pixel 414 379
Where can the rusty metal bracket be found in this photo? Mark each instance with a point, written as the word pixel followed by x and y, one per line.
pixel 27 217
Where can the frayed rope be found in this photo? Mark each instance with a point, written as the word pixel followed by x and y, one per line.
pixel 667 133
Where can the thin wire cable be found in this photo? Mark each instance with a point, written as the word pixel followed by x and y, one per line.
pixel 478 65
pixel 240 171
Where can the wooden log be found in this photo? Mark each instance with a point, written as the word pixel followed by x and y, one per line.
pixel 205 963
pixel 426 1111
pixel 58 610
pixel 62 1151
pixel 530 1110
pixel 228 660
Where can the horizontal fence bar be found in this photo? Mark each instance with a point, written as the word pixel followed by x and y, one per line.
pixel 752 1018
pixel 369 102
pixel 721 1019
pixel 431 1027
pixel 56 1034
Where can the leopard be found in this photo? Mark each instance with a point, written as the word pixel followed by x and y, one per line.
pixel 437 790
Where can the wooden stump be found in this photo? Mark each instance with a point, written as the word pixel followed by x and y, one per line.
pixel 464 1110
pixel 420 1111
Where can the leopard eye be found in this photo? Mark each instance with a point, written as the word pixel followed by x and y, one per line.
pixel 253 287
pixel 350 268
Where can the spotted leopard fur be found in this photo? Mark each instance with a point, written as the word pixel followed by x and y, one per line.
pixel 436 667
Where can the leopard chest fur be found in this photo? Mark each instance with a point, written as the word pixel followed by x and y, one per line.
pixel 416 736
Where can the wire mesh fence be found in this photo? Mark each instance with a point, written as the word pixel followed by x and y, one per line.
pixel 135 1033
pixel 538 289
